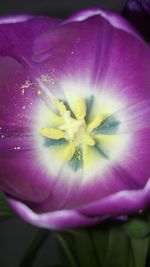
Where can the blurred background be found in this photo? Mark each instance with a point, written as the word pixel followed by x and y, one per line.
pixel 58 8
pixel 16 235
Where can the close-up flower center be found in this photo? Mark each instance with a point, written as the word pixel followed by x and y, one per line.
pixel 78 132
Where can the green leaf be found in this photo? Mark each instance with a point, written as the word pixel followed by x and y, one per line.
pixel 66 246
pixel 118 248
pixel 137 226
pixel 85 249
pixel 33 249
pixel 131 257
pixel 78 248
pixel 100 240
pixel 140 251
pixel 5 210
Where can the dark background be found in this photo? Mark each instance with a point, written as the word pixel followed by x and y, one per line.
pixel 16 235
pixel 58 8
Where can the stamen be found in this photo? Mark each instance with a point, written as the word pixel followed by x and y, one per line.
pixel 71 126
pixel 80 109
pixel 95 123
pixel 88 140
pixel 60 105
pixel 69 151
pixel 52 133
pixel 55 119
pixel 81 140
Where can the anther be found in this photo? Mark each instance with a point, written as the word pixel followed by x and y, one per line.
pixel 52 133
pixel 69 151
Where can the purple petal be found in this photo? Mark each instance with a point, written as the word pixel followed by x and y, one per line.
pixel 55 220
pixel 15 19
pixel 120 203
pixel 22 169
pixel 138 13
pixel 116 21
pixel 17 33
pixel 70 42
pixel 146 5
pixel 138 5
pixel 19 174
pixel 115 205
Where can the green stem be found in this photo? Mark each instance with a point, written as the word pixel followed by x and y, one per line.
pixel 140 250
pixel 5 209
pixel 66 250
pixel 118 248
pixel 86 252
pixel 34 248
pixel 100 240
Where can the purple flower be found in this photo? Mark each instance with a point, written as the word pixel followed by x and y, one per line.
pixel 18 32
pixel 139 5
pixel 138 13
pixel 75 121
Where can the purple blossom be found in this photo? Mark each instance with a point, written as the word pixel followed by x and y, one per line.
pixel 75 120
pixel 139 5
pixel 18 32
pixel 138 13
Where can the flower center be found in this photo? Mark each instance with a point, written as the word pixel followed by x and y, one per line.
pixel 72 127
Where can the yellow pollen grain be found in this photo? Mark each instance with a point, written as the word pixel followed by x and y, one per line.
pixel 25 86
pixel 69 151
pixel 44 78
pixel 60 105
pixel 52 133
pixel 80 109
pixel 88 140
pixel 95 123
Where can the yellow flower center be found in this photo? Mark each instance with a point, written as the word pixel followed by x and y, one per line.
pixel 73 128
pixel 79 135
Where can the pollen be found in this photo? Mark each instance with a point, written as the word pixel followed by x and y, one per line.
pixel 52 133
